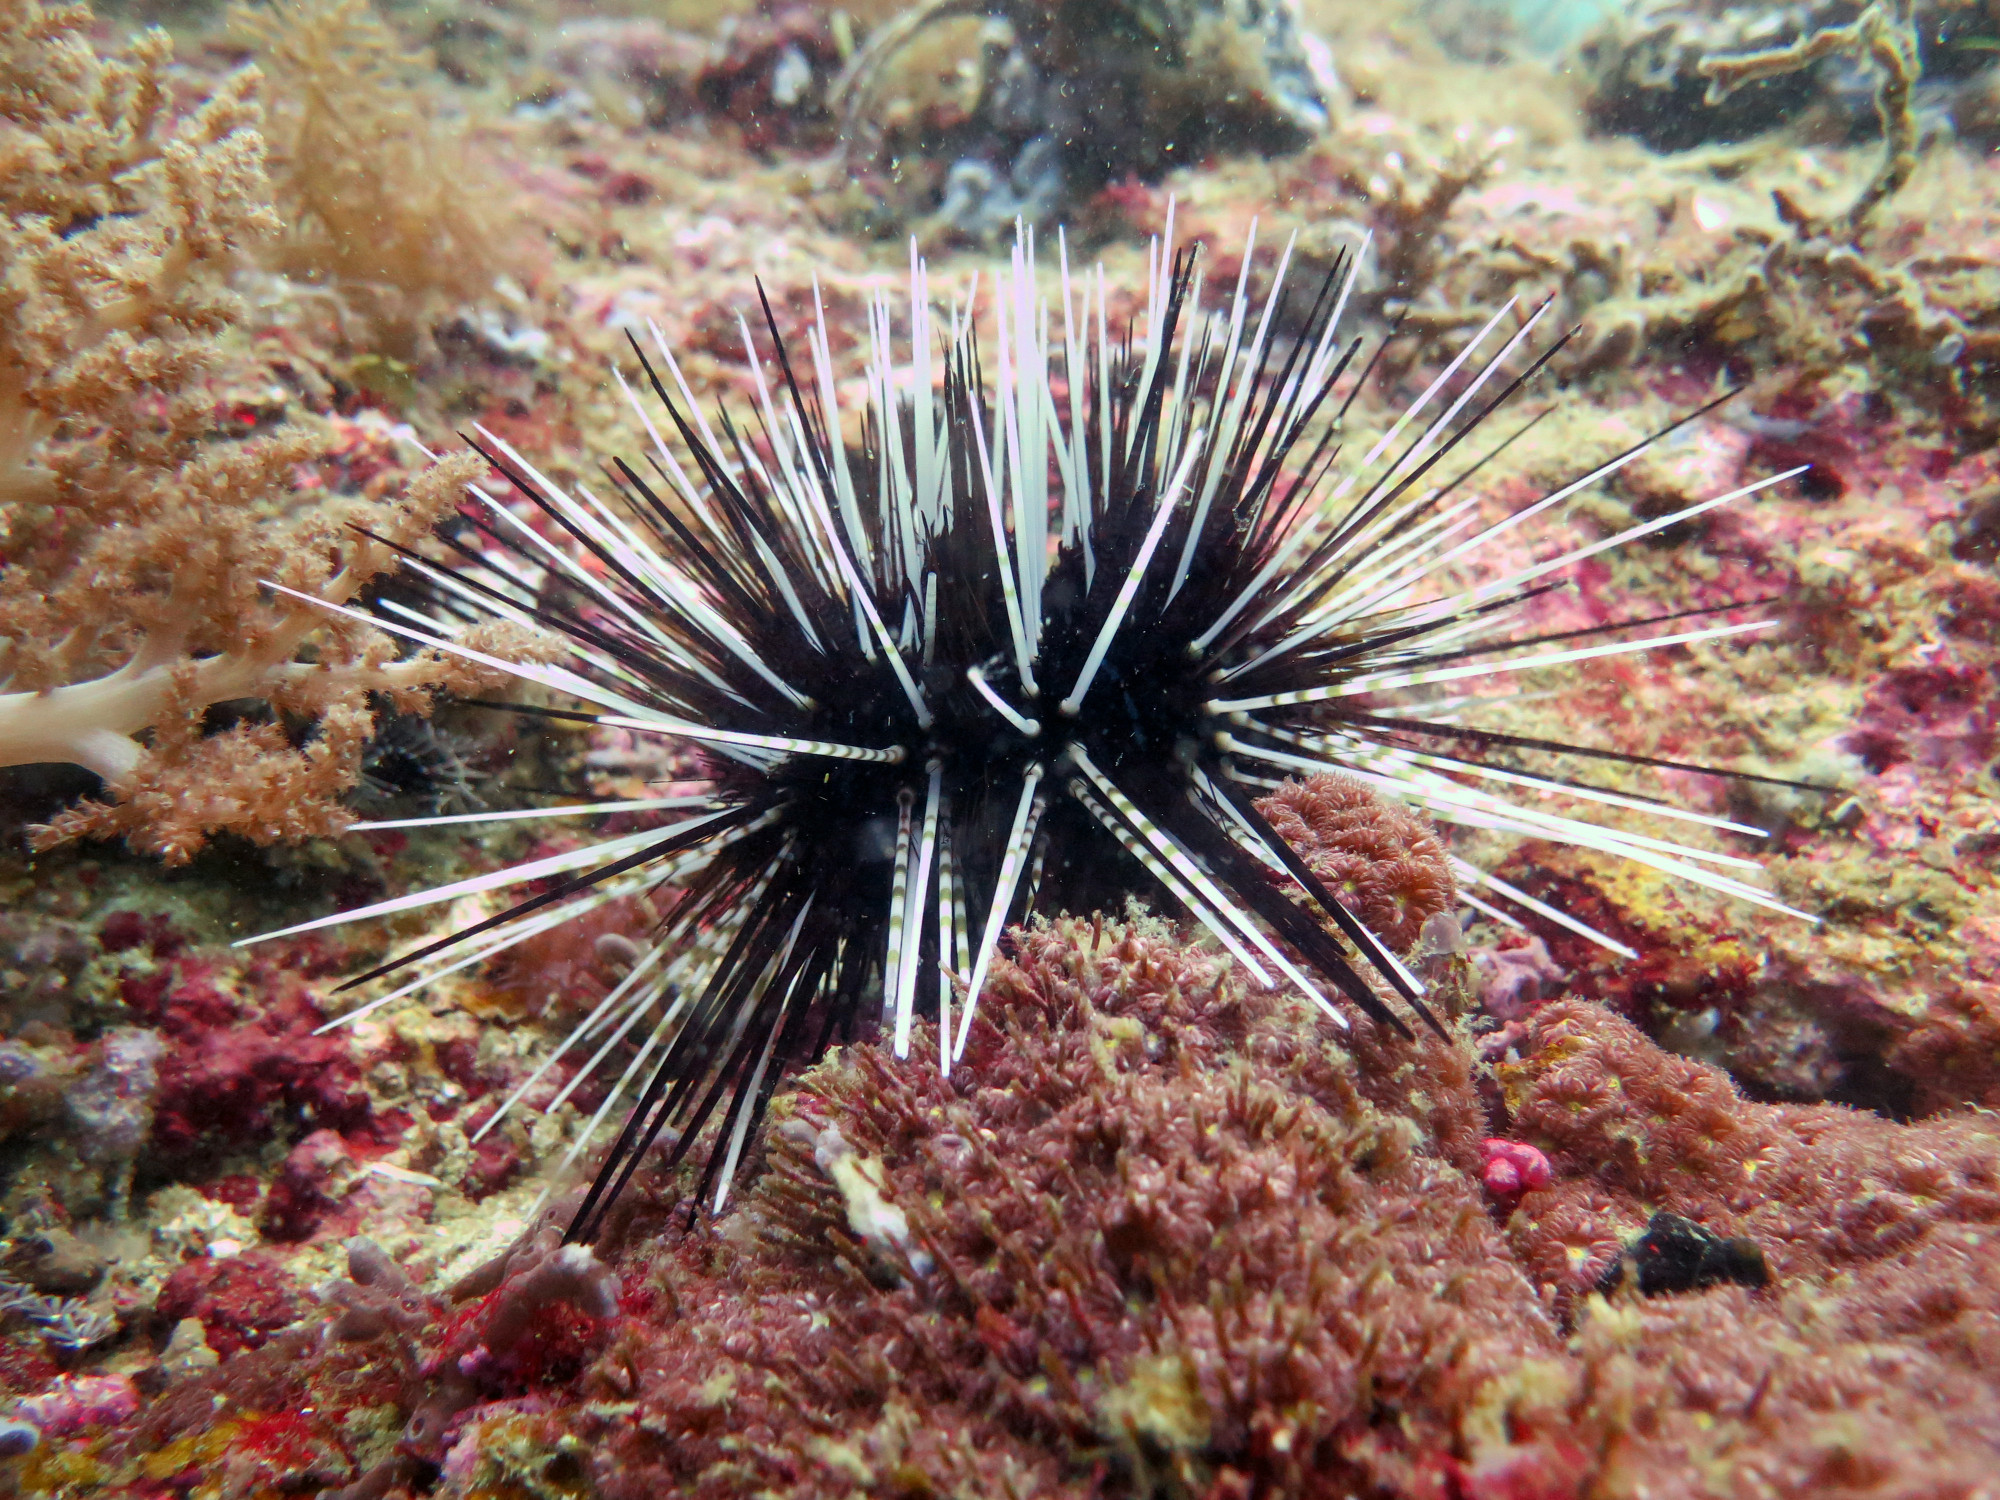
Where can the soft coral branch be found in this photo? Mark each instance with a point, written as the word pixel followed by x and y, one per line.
pixel 95 722
pixel 134 542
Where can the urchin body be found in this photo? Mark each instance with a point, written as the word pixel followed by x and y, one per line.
pixel 1032 645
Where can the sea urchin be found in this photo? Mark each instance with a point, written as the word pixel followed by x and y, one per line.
pixel 1028 637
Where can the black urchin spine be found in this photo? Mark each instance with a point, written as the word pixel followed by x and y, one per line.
pixel 1030 647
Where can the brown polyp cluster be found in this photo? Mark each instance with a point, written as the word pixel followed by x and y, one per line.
pixel 1157 1238
pixel 1952 1051
pixel 1384 861
pixel 1153 1233
pixel 1867 1368
pixel 1822 1189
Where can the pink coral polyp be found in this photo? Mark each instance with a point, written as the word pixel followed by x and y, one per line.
pixel 1512 1169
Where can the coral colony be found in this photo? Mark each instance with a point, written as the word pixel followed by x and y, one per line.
pixel 1039 627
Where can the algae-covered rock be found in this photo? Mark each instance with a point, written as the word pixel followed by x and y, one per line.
pixel 1068 96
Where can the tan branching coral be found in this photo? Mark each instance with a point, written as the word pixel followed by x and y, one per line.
pixel 380 199
pixel 137 541
pixel 1882 35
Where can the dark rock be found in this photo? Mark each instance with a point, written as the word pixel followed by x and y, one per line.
pixel 55 1263
pixel 1679 1255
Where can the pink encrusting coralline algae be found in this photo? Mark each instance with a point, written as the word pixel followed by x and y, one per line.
pixel 80 1404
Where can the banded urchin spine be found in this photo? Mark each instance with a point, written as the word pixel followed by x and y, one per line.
pixel 1033 644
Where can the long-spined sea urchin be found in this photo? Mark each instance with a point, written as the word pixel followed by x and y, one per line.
pixel 1033 644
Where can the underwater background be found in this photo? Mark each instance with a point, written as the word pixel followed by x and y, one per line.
pixel 1710 1210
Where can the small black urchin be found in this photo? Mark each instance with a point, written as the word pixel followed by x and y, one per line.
pixel 1033 644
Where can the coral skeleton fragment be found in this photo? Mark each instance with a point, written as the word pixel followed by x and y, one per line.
pixel 1028 632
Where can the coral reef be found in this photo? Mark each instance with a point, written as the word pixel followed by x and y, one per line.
pixel 316 1407
pixel 235 1069
pixel 1859 1008
pixel 1652 66
pixel 1258 1281
pixel 1889 43
pixel 1383 860
pixel 1749 259
pixel 772 74
pixel 1673 1133
pixel 527 1319
pixel 1164 1233
pixel 239 1302
pixel 1162 1230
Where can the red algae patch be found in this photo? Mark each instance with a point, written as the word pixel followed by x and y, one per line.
pixel 240 1301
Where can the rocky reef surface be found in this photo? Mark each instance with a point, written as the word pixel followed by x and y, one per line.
pixel 1718 1219
pixel 1162 1232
